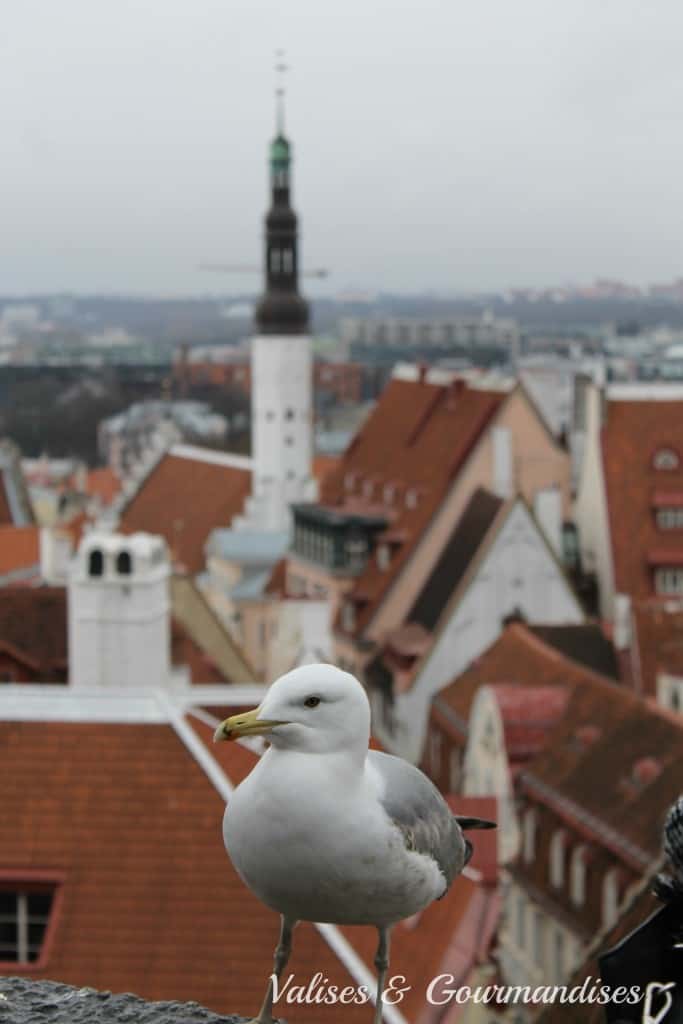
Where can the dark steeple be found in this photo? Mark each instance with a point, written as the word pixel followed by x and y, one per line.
pixel 281 310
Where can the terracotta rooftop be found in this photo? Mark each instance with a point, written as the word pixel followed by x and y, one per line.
pixel 633 433
pixel 104 484
pixel 19 551
pixel 130 831
pixel 33 630
pixel 402 462
pixel 188 494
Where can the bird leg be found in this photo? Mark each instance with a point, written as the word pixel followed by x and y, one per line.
pixel 382 965
pixel 282 952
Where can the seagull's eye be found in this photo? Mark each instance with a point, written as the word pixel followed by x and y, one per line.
pixel 311 702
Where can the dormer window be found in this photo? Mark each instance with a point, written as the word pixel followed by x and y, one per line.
pixel 388 494
pixel 411 498
pixel 368 488
pixel 666 458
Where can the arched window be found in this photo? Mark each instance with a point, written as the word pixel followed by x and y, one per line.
pixel 666 458
pixel 557 857
pixel 124 563
pixel 96 563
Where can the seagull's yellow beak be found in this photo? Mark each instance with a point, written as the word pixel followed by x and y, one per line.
pixel 246 724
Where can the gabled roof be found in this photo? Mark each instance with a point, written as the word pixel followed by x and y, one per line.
pixel 633 432
pixel 189 493
pixel 413 444
pixel 613 764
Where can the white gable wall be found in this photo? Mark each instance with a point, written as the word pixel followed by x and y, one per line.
pixel 518 572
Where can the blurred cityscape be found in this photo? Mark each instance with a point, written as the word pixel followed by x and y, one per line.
pixel 474 503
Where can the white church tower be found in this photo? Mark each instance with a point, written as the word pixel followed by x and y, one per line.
pixel 119 613
pixel 281 362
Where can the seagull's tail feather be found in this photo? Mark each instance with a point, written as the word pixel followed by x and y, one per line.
pixel 468 823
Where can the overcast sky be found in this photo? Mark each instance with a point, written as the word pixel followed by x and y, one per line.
pixel 439 144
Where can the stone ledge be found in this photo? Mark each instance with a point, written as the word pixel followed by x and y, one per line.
pixel 38 1002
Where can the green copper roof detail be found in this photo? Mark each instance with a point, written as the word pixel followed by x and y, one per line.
pixel 279 152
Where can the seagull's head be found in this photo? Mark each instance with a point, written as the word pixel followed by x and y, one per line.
pixel 316 708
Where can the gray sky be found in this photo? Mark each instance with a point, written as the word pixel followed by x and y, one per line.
pixel 440 144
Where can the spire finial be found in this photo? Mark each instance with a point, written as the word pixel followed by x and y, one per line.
pixel 280 71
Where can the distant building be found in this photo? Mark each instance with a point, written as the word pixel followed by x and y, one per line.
pixel 124 439
pixel 413 332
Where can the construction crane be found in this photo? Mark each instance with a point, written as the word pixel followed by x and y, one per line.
pixel 245 268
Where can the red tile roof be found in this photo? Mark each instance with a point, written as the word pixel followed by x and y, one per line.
pixel 633 433
pixel 184 499
pixel 103 484
pixel 33 630
pixel 19 548
pixel 415 440
pixel 151 903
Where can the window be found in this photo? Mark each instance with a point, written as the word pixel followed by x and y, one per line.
pixel 454 770
pixel 665 458
pixel 539 936
pixel 610 897
pixel 669 581
pixel 275 261
pixel 529 840
pixel 521 920
pixel 95 563
pixel 411 498
pixel 289 414
pixel 578 876
pixel 287 261
pixel 24 914
pixel 348 616
pixel 124 563
pixel 558 955
pixel 670 518
pixel 557 859
pixel 383 557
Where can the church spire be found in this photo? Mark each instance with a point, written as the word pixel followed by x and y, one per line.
pixel 281 310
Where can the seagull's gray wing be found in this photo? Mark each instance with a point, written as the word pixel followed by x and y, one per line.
pixel 415 805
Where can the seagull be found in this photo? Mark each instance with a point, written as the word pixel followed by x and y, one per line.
pixel 324 829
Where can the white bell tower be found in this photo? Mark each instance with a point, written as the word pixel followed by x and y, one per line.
pixel 281 359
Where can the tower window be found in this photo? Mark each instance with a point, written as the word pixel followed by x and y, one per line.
pixel 289 441
pixel 289 414
pixel 124 563
pixel 287 261
pixel 275 261
pixel 270 415
pixel 96 563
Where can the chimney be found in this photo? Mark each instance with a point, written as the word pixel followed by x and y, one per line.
pixel 119 612
pixel 548 513
pixel 56 549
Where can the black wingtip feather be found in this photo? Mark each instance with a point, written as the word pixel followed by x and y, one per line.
pixel 468 823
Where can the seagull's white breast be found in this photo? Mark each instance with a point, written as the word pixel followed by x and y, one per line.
pixel 316 848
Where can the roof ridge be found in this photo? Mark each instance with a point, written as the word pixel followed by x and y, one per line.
pixel 217 458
